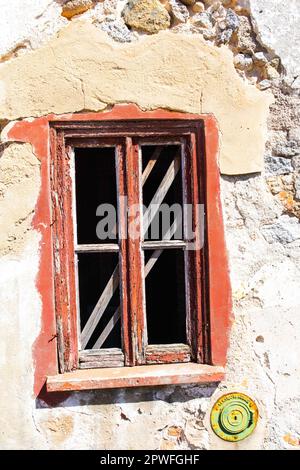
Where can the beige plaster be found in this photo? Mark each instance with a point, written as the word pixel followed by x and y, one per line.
pixel 82 69
pixel 19 189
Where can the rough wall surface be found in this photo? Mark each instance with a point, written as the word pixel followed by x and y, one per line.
pixel 82 70
pixel 261 213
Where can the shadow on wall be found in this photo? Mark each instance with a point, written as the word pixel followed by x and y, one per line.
pixel 168 394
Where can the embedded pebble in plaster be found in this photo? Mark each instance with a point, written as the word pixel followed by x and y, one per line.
pixel 148 16
pixel 76 7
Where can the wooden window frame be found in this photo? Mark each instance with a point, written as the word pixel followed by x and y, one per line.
pixel 41 134
pixel 126 136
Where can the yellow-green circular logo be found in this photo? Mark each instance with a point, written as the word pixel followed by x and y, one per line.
pixel 234 417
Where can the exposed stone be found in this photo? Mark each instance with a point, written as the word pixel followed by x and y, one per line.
pixel 188 2
pixel 285 143
pixel 278 165
pixel 260 59
pixel 264 84
pixel 202 19
pixel 297 187
pixel 109 6
pixel 179 11
pixel 214 6
pixel 243 62
pixel 76 7
pixel 224 36
pixel 243 36
pixel 271 72
pixel 208 34
pixel 146 15
pixel 232 20
pixel 294 136
pixel 166 4
pixel 117 30
pixel 217 15
pixel 229 3
pixel 285 230
pixel 275 62
pixel 198 7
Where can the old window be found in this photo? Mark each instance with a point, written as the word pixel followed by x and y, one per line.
pixel 130 245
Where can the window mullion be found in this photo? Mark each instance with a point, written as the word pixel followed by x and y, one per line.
pixel 135 289
pixel 193 253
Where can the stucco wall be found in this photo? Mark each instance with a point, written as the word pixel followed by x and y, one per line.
pixel 261 211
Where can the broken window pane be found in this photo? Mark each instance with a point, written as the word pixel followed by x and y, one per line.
pixel 99 296
pixel 165 296
pixel 95 177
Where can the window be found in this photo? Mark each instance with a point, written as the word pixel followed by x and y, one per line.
pixel 130 241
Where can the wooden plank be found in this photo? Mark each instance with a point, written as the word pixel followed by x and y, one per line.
pixel 88 354
pixel 149 167
pixel 151 163
pixel 161 192
pixel 112 284
pixel 97 248
pixel 63 247
pixel 108 329
pixel 135 269
pixel 139 376
pixel 121 168
pixel 168 353
pixel 193 266
pixel 164 244
pixel 112 357
pixel 116 316
pixel 100 307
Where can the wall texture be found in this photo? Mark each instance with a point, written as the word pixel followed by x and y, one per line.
pixel 60 57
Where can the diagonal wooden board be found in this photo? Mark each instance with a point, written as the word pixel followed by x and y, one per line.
pixel 113 282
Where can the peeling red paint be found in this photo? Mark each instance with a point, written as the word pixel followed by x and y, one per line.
pixel 36 132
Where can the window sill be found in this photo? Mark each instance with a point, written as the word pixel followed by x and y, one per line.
pixel 139 376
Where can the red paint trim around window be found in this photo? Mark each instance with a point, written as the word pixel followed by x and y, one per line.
pixel 218 295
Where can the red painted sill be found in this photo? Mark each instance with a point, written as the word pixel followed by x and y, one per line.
pixel 163 374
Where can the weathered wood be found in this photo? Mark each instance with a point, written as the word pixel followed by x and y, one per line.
pixel 90 354
pixel 215 305
pixel 112 357
pixel 97 248
pixel 147 375
pixel 135 268
pixel 108 329
pixel 161 192
pixel 164 244
pixel 151 163
pixel 168 353
pixel 194 277
pixel 100 307
pixel 116 316
pixel 63 246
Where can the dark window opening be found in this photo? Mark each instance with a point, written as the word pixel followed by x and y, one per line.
pixel 94 272
pixel 165 298
pixel 163 160
pixel 95 177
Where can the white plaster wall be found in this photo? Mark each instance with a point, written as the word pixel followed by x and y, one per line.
pixel 265 338
pixel 26 24
pixel 277 25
